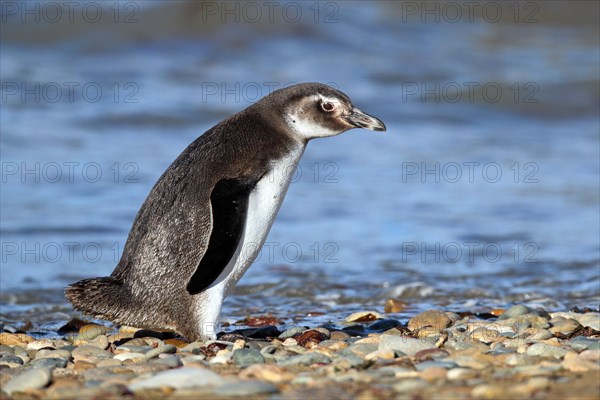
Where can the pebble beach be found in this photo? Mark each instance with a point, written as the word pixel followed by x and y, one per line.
pixel 519 352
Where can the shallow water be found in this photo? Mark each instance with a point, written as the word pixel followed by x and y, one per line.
pixel 469 203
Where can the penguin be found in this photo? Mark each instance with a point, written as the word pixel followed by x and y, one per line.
pixel 208 215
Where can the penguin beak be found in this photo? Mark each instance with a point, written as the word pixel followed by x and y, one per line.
pixel 361 119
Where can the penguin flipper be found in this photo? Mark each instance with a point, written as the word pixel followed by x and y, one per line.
pixel 229 205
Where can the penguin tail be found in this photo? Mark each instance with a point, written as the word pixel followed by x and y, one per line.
pixel 99 297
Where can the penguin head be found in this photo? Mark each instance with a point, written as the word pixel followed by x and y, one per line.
pixel 313 110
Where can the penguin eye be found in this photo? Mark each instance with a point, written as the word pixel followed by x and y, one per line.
pixel 327 106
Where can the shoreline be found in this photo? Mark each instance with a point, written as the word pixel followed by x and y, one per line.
pixel 519 352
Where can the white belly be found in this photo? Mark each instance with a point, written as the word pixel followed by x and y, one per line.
pixel 263 205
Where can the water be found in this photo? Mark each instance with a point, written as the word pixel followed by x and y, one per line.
pixel 464 204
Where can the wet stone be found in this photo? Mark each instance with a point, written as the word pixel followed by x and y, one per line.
pixel 383 325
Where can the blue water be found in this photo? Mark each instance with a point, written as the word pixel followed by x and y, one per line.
pixel 465 203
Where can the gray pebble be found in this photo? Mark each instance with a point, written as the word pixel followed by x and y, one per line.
pixel 170 360
pixel 410 385
pixel 49 363
pixel 293 331
pixel 90 354
pixel 515 310
pixel 563 325
pixel 349 360
pixel 199 359
pixel 180 378
pixel 127 348
pixel 245 357
pixel 9 358
pixel 53 354
pixel 406 345
pixel 441 364
pixel 164 349
pixel 591 320
pixel 362 349
pixel 581 343
pixel 6 349
pixel 541 334
pixel 245 388
pixel 306 359
pixel 35 378
pixel 546 350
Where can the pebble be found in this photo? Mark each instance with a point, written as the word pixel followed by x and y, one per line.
pixel 339 335
pixel 51 363
pixel 563 325
pixel 540 334
pixel 461 374
pixel 288 333
pixel 394 306
pixel 436 364
pixel 35 378
pixel 180 378
pixel 245 388
pixel 410 385
pixel 546 350
pixel 591 320
pixel 15 339
pixel 306 359
pixel 406 345
pixel 266 372
pixel 246 357
pixel 581 343
pixel 519 309
pixel 40 344
pixel 364 316
pixel 100 342
pixel 53 353
pixel 90 354
pixel 164 349
pixel 134 357
pixel 435 319
pixel 382 325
